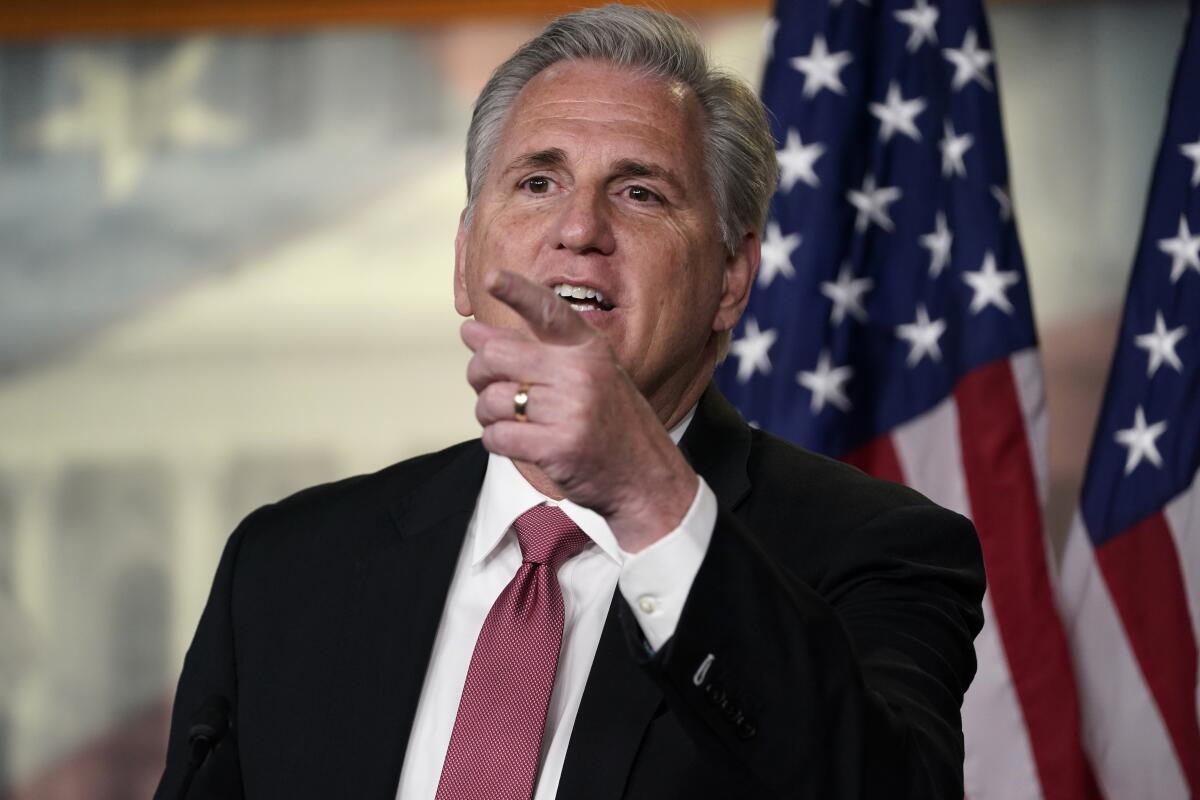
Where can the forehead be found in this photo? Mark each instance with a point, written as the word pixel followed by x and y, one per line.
pixel 606 110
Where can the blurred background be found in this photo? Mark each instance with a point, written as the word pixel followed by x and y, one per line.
pixel 225 267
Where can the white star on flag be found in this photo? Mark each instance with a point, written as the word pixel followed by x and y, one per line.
pixel 1192 151
pixel 826 384
pixel 921 20
pixel 796 161
pixel 776 256
pixel 898 114
pixel 938 243
pixel 872 203
pixel 1004 201
pixel 922 336
pixel 1159 345
pixel 822 69
pixel 1184 250
pixel 990 286
pixel 970 62
pixel 953 149
pixel 847 293
pixel 752 350
pixel 1140 440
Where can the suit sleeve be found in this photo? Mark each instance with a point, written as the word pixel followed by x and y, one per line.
pixel 847 686
pixel 209 668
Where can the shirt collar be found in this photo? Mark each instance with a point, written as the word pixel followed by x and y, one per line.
pixel 506 495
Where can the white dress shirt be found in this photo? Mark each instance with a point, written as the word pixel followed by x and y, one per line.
pixel 655 582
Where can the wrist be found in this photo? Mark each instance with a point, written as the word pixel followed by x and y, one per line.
pixel 656 507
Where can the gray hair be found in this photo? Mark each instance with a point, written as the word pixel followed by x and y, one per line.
pixel 739 152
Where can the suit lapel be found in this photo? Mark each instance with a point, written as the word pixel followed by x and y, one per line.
pixel 618 703
pixel 620 698
pixel 404 573
pixel 717 444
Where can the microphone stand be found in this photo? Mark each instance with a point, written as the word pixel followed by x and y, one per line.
pixel 209 726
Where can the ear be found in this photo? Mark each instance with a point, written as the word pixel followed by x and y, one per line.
pixel 740 269
pixel 462 301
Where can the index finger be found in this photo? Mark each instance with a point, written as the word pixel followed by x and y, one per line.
pixel 551 320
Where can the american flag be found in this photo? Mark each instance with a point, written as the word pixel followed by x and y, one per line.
pixel 891 326
pixel 1130 584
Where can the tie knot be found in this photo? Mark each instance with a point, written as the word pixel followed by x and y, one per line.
pixel 548 536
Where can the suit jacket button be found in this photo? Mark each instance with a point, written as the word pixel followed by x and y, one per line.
pixel 745 730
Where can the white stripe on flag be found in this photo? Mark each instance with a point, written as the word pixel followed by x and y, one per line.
pixel 999 755
pixel 1031 390
pixel 1027 372
pixel 929 454
pixel 1183 520
pixel 1130 748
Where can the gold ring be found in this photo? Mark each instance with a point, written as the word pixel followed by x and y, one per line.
pixel 521 402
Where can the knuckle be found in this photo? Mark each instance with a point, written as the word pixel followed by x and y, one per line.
pixel 474 367
pixel 479 379
pixel 485 403
pixel 497 395
pixel 490 350
pixel 573 446
pixel 580 411
pixel 588 381
pixel 493 438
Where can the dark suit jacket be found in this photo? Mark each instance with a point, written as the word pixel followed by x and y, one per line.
pixel 835 614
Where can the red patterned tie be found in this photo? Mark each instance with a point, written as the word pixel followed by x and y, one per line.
pixel 497 738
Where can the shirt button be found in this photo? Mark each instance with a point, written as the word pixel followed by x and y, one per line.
pixel 648 604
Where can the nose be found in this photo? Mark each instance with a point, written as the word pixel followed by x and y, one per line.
pixel 584 223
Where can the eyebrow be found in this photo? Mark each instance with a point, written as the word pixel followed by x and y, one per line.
pixel 551 157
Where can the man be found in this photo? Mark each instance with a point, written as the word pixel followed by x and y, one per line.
pixel 575 606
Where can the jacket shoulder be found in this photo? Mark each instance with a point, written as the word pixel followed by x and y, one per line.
pixel 393 480
pixel 816 485
pixel 831 523
pixel 357 503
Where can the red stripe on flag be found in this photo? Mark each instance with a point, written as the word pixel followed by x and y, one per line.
pixel 1142 570
pixel 1001 485
pixel 878 457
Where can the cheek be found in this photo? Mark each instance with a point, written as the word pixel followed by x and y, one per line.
pixel 680 283
pixel 704 278
pixel 511 239
pixel 500 243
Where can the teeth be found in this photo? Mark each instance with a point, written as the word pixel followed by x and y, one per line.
pixel 578 292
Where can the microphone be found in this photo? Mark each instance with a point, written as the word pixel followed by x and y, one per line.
pixel 210 723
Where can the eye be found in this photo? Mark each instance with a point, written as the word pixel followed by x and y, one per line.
pixel 538 184
pixel 641 194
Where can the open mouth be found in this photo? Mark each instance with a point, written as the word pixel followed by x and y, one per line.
pixel 583 298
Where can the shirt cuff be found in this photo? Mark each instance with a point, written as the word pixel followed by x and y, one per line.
pixel 656 581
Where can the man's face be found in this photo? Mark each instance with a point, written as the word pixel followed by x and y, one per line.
pixel 597 186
